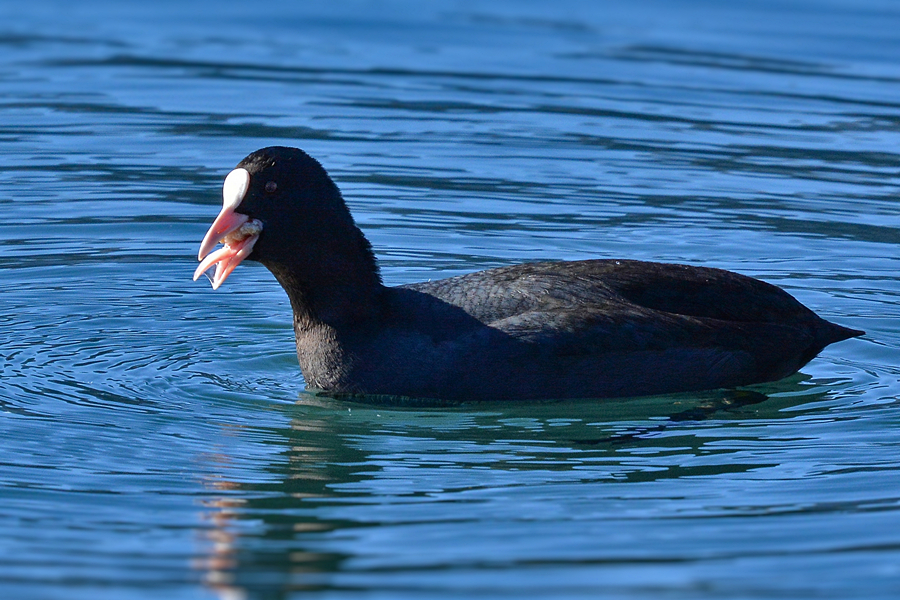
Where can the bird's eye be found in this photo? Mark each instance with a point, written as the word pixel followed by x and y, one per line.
pixel 271 186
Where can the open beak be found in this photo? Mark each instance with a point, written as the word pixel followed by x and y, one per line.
pixel 237 231
pixel 239 234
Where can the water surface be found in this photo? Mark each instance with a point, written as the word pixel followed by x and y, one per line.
pixel 156 437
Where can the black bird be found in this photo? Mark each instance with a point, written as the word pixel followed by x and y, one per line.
pixel 584 329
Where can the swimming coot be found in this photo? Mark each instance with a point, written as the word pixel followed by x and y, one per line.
pixel 584 329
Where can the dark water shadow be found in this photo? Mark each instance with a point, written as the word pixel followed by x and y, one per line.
pixel 290 526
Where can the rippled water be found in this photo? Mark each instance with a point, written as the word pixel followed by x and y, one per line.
pixel 156 441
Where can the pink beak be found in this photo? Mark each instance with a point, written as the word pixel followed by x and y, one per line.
pixel 238 233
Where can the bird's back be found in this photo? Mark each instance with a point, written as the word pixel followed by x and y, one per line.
pixel 608 327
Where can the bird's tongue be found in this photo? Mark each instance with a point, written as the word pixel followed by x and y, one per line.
pixel 239 234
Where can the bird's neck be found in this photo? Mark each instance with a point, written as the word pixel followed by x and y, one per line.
pixel 344 300
pixel 340 292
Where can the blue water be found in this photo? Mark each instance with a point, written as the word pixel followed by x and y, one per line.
pixel 155 438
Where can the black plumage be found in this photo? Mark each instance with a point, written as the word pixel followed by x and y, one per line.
pixel 594 328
